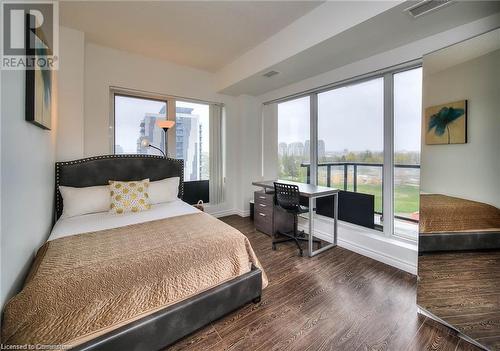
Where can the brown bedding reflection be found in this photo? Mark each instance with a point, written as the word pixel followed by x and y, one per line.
pixel 445 214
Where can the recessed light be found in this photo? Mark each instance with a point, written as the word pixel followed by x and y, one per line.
pixel 270 74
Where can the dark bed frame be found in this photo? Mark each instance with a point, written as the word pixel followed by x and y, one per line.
pixel 172 323
pixel 456 241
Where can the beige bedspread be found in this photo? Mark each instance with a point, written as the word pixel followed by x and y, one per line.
pixel 446 214
pixel 84 285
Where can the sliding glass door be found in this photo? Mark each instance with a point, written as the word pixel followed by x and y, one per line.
pixel 407 125
pixel 366 137
pixel 351 139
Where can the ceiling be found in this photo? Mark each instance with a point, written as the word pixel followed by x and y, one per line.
pixel 391 29
pixel 462 52
pixel 201 34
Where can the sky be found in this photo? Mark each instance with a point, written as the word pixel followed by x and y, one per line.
pixel 352 117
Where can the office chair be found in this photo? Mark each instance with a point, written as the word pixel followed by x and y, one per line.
pixel 287 196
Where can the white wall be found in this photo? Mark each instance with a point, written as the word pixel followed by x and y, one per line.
pixel 27 183
pixel 471 170
pixel 269 142
pixel 250 112
pixel 106 67
pixel 71 84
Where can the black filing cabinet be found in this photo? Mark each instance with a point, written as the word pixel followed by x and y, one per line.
pixel 268 218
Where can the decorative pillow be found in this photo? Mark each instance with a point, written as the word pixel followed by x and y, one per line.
pixel 129 196
pixel 80 201
pixel 165 190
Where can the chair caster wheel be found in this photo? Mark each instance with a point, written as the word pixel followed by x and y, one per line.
pixel 274 247
pixel 301 253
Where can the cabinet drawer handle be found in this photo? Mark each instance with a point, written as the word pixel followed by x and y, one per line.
pixel 262 197
pixel 263 215
pixel 262 205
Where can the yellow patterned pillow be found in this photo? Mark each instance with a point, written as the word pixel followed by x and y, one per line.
pixel 129 196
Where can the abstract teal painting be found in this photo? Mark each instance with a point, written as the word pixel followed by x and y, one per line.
pixel 446 124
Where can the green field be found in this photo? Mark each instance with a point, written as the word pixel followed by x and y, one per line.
pixel 406 197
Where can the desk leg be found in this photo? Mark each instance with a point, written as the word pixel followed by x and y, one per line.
pixel 311 227
pixel 335 217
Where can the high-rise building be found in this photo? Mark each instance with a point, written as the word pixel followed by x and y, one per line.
pixel 282 149
pixel 321 149
pixel 148 130
pixel 188 142
pixel 296 149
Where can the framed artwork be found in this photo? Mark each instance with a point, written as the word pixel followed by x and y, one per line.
pixel 446 124
pixel 38 81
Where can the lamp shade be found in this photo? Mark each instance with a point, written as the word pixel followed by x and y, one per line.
pixel 165 123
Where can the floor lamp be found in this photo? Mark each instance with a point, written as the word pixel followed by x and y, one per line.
pixel 165 125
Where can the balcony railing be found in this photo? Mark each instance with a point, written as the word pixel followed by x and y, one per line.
pixel 346 167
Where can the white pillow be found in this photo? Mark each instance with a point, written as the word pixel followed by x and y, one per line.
pixel 165 190
pixel 80 201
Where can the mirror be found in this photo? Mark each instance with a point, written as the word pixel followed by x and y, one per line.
pixel 459 233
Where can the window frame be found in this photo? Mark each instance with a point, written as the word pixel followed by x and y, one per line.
pixel 388 131
pixel 141 94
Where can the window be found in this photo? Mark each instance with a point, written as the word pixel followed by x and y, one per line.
pixel 365 142
pixel 351 138
pixel 135 119
pixel 407 125
pixel 192 139
pixel 294 139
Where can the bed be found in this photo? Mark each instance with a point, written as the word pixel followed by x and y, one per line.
pixel 137 281
pixel 451 224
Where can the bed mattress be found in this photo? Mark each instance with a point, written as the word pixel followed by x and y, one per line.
pixel 122 269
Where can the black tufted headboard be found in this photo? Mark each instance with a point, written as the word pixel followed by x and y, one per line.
pixel 99 170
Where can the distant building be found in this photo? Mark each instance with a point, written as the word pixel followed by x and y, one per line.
pixel 148 131
pixel 296 149
pixel 321 149
pixel 282 149
pixel 118 149
pixel 188 142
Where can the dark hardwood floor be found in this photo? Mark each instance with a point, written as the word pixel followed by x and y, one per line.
pixel 463 289
pixel 338 300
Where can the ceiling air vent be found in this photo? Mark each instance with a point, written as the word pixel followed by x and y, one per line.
pixel 426 6
pixel 270 74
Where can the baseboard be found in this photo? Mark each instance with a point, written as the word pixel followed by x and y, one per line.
pixel 390 260
pixel 360 248
pixel 224 213
pixel 343 241
pixel 241 213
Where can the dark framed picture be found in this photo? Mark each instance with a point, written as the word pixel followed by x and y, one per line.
pixel 38 81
